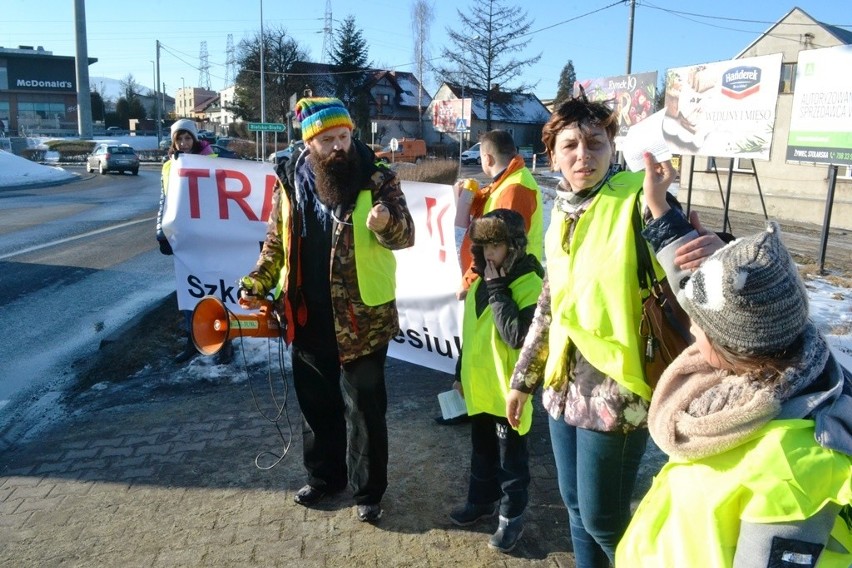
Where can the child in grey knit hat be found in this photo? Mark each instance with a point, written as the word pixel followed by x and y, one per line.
pixel 756 417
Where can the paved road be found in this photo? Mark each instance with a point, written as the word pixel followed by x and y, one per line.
pixel 159 471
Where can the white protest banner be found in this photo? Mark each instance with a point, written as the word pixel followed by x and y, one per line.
pixel 215 219
pixel 723 109
pixel 821 119
pixel 427 277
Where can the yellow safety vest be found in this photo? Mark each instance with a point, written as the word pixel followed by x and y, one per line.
pixel 374 263
pixel 487 361
pixel 523 177
pixel 594 288
pixel 691 515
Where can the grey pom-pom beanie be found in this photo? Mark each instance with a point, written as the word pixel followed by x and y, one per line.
pixel 748 296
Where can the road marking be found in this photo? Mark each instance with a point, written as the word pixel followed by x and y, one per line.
pixel 74 238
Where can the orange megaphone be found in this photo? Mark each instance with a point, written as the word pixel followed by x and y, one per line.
pixel 213 324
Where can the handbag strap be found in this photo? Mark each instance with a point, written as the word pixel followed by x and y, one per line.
pixel 645 270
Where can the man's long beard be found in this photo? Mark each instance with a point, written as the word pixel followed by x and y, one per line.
pixel 336 177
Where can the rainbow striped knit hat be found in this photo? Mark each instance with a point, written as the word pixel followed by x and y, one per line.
pixel 318 114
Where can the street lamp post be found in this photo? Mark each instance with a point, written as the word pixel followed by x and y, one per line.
pixel 183 97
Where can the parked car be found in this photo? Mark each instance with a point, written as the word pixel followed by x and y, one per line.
pixel 223 152
pixel 115 131
pixel 207 135
pixel 408 150
pixel 282 156
pixel 113 158
pixel 471 155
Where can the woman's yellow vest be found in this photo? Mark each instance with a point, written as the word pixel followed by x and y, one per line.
pixel 691 515
pixel 375 265
pixel 534 235
pixel 487 361
pixel 594 288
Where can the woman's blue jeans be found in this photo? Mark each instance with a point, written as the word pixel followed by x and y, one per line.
pixel 596 473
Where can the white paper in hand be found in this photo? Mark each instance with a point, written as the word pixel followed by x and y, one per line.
pixel 645 136
pixel 452 404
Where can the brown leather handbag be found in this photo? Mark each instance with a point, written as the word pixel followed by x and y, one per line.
pixel 664 327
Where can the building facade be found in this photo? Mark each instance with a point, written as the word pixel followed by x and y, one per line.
pixel 189 99
pixel 38 92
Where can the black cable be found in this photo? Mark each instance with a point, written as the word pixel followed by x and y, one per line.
pixel 281 408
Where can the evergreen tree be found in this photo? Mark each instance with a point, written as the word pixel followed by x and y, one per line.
pixel 482 48
pixel 98 106
pixel 565 88
pixel 349 53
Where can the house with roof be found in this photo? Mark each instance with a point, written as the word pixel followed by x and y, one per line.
pixel 521 114
pixel 792 191
pixel 393 103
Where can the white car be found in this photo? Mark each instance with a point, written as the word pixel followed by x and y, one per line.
pixel 471 155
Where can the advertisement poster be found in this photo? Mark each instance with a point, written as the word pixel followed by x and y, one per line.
pixel 633 97
pixel 446 114
pixel 723 109
pixel 821 119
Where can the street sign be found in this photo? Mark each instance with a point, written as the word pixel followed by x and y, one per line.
pixel 375 126
pixel 461 125
pixel 394 144
pixel 265 127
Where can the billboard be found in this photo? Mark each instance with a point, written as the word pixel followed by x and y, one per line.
pixel 821 119
pixel 446 114
pixel 723 109
pixel 633 97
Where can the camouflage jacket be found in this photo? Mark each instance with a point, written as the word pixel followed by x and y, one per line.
pixel 360 329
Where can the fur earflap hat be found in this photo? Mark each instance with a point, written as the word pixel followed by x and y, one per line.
pixel 185 124
pixel 317 114
pixel 498 226
pixel 748 296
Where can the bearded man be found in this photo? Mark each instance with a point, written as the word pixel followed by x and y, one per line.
pixel 327 259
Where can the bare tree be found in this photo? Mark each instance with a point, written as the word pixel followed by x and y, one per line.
pixel 482 49
pixel 422 14
pixel 130 87
pixel 280 53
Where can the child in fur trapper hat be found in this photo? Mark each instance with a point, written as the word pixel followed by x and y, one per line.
pixel 498 311
pixel 757 419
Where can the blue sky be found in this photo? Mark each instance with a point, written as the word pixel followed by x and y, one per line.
pixel 593 34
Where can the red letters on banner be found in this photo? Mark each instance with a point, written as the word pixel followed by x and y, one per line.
pixel 223 194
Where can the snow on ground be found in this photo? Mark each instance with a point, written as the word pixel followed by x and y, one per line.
pixel 17 171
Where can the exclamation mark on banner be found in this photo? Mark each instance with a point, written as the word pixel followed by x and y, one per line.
pixel 431 204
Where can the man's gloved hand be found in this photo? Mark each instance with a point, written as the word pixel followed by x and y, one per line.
pixel 165 247
pixel 251 293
